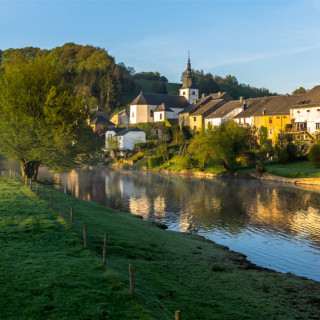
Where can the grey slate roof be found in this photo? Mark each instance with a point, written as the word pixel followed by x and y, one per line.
pixel 124 131
pixel 208 108
pixel 254 107
pixel 225 109
pixel 101 120
pixel 163 108
pixel 157 99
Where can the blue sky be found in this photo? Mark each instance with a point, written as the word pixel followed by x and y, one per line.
pixel 273 44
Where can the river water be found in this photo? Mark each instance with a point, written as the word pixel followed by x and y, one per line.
pixel 276 225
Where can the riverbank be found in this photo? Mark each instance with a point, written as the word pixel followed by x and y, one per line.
pixel 173 271
pixel 299 173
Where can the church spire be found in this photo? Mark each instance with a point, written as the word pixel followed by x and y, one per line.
pixel 189 65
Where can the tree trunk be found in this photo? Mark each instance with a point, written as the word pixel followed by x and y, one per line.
pixel 29 169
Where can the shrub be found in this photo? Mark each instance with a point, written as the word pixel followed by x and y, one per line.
pixel 314 155
pixel 283 156
pixel 185 162
pixel 155 161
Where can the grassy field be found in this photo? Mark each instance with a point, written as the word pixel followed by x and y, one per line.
pixel 301 169
pixel 46 274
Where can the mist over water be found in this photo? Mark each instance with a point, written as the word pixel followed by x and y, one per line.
pixel 276 225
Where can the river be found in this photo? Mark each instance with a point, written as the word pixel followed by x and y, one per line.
pixel 276 225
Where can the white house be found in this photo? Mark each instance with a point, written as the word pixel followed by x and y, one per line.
pixel 125 137
pixel 225 113
pixel 163 112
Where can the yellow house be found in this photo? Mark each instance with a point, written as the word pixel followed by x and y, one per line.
pixel 274 115
pixel 196 117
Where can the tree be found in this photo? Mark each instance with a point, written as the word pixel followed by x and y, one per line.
pixel 41 122
pixel 301 90
pixel 228 141
pixel 314 155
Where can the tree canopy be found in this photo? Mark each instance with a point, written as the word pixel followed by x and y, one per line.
pixel 41 121
pixel 301 90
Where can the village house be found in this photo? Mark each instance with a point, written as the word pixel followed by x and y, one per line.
pixel 124 138
pixel 225 113
pixel 121 118
pixel 305 115
pixel 197 116
pixel 184 116
pixel 99 120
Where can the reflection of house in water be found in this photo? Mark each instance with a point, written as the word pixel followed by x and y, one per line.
pixel 73 183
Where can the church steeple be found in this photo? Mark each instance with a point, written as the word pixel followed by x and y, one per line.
pixel 189 89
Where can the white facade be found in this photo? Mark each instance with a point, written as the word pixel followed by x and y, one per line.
pixel 128 141
pixel 310 116
pixel 189 94
pixel 108 137
pixel 142 113
pixel 243 120
pixel 162 115
pixel 225 118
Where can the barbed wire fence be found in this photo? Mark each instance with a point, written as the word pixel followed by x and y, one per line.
pixel 68 214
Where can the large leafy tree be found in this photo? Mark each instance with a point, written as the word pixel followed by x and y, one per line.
pixel 41 121
pixel 228 141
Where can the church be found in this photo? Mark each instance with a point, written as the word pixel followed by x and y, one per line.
pixel 154 107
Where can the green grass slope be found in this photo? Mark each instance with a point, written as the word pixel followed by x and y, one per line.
pixel 45 273
pixel 300 169
pixel 173 271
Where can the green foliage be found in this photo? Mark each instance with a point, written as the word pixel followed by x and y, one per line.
pixel 150 76
pixel 41 122
pixel 186 161
pixel 155 161
pixel 301 90
pixel 314 155
pixel 228 141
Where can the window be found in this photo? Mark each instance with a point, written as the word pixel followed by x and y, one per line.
pixel 193 92
pixel 298 111
pixel 270 132
pixel 194 118
pixel 308 110
pixel 284 117
pixel 318 126
pixel 151 113
pixel 278 117
pixel 318 110
pixel 161 116
pixel 270 120
pixel 195 128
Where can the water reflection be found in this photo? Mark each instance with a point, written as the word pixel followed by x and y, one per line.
pixel 277 226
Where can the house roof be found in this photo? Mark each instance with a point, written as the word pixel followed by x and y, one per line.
pixel 208 108
pixel 308 100
pixel 173 122
pixel 213 96
pixel 101 120
pixel 162 107
pixel 225 109
pixel 124 131
pixel 158 98
pixel 254 105
pixel 123 112
pixel 99 112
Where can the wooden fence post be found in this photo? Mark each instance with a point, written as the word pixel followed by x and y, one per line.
pixel 25 181
pixel 85 236
pixel 30 184
pixel 131 279
pixel 177 315
pixel 71 217
pixel 60 209
pixel 104 253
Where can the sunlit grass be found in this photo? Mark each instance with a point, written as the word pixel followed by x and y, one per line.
pixel 301 169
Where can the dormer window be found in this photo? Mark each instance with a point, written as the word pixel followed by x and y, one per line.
pixel 151 113
pixel 270 120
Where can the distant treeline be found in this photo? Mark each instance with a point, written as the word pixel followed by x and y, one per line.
pixel 100 81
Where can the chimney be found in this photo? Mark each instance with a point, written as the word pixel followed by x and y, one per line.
pixel 263 111
pixel 203 95
pixel 244 104
pixel 241 99
pixel 194 101
pixel 162 104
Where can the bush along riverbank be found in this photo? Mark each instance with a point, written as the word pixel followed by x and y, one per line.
pixel 47 273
